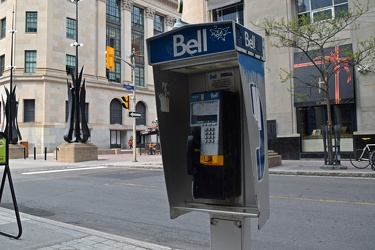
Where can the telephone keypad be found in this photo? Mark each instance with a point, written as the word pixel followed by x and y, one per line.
pixel 209 133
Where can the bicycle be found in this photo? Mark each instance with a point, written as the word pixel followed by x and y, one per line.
pixel 372 160
pixel 362 158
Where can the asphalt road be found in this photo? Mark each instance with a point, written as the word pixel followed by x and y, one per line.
pixel 306 212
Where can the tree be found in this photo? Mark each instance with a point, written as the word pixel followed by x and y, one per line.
pixel 313 38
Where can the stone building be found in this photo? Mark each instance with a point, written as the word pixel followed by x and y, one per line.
pixel 43 57
pixel 296 126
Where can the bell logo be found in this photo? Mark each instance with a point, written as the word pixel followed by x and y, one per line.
pixel 249 42
pixel 192 46
pixel 215 95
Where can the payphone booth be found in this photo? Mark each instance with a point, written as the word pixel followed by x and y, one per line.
pixel 210 98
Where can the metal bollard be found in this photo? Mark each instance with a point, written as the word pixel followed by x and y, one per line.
pixel 34 153
pixel 45 153
pixel 57 149
pixel 24 153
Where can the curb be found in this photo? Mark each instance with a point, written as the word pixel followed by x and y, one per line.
pixel 135 165
pixel 320 173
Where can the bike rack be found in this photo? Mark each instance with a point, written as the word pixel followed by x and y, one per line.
pixel 4 161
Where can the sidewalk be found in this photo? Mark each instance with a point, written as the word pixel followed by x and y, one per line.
pixel 45 234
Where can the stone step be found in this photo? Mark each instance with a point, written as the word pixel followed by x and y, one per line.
pixel 274 159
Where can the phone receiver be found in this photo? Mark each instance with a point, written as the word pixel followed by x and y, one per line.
pixel 190 154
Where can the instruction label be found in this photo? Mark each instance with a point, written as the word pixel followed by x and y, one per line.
pixel 222 80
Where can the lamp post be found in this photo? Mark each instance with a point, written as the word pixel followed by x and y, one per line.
pixel 132 65
pixel 11 96
pixel 77 131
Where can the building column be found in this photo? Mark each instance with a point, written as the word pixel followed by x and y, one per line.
pixel 149 32
pixel 100 42
pixel 169 22
pixel 126 39
pixel 194 11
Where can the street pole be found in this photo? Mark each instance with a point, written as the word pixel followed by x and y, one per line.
pixel 10 102
pixel 132 60
pixel 132 65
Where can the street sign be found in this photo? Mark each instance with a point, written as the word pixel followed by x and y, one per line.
pixel 128 86
pixel 135 114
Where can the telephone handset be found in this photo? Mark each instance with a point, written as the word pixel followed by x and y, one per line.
pixel 213 147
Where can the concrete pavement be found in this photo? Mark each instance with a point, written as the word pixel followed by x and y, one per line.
pixel 41 233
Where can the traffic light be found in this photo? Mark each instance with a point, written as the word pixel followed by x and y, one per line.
pixel 110 58
pixel 126 101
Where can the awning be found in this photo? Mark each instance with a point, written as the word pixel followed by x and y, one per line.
pixel 150 131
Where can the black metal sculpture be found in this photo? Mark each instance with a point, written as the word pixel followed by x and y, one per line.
pixel 76 109
pixel 11 125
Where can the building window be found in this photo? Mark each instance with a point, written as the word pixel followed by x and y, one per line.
pixel 139 76
pixel 138 44
pixel 113 36
pixel 113 10
pixel 317 10
pixel 30 61
pixel 70 64
pixel 232 12
pixel 31 21
pixel 114 40
pixel 115 75
pixel 3 24
pixel 115 112
pixel 158 24
pixel 141 108
pixel 70 28
pixel 115 139
pixel 2 64
pixel 29 111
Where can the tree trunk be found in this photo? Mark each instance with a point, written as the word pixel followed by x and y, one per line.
pixel 329 128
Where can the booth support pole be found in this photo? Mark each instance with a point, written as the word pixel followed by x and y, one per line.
pixel 230 233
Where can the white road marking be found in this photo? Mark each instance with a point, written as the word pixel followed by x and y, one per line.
pixel 63 170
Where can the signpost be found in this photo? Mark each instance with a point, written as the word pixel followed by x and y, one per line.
pixel 128 87
pixel 132 88
pixel 135 114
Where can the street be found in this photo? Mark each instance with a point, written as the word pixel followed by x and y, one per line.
pixel 306 212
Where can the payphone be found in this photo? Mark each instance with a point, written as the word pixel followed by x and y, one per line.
pixel 210 98
pixel 213 147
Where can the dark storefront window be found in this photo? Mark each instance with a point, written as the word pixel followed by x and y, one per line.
pixel 311 119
